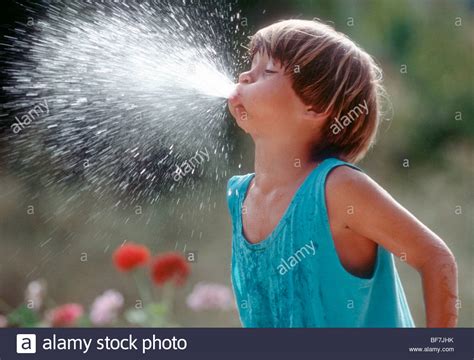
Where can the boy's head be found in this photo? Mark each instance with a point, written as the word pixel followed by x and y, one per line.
pixel 311 83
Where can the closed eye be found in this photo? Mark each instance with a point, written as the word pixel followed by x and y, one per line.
pixel 270 71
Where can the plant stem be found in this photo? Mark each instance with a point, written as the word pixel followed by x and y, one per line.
pixel 168 296
pixel 142 291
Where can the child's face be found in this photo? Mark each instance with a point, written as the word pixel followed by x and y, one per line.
pixel 265 104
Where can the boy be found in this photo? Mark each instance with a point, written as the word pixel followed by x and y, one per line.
pixel 313 236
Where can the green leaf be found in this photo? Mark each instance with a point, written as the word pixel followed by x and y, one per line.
pixel 83 321
pixel 157 314
pixel 157 309
pixel 23 317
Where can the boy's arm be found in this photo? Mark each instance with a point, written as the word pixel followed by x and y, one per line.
pixel 377 216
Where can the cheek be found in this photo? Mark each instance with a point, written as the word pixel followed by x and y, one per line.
pixel 267 97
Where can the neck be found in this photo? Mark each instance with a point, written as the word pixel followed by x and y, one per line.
pixel 280 165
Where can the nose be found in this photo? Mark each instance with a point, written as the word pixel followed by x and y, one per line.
pixel 245 78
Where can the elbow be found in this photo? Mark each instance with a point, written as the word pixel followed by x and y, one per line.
pixel 448 259
pixel 440 259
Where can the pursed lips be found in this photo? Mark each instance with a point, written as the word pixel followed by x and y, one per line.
pixel 235 103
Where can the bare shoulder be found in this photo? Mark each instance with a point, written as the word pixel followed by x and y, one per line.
pixel 345 180
pixel 356 202
pixel 348 190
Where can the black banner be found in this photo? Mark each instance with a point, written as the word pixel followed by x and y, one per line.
pixel 225 343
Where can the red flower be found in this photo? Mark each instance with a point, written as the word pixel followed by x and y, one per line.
pixel 65 315
pixel 129 256
pixel 170 266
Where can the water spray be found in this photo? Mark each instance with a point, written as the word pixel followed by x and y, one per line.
pixel 118 93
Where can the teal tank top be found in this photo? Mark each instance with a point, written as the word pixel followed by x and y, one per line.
pixel 293 278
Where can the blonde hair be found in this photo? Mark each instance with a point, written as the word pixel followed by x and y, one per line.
pixel 333 75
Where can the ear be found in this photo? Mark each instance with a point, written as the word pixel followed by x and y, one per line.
pixel 315 117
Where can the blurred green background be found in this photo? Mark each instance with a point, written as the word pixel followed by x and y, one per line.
pixel 425 49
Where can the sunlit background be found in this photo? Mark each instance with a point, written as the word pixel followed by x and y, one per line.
pixel 423 157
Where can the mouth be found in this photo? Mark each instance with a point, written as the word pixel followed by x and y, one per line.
pixel 240 111
pixel 236 105
pixel 236 108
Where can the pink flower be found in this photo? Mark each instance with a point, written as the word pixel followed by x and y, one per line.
pixel 3 321
pixel 206 296
pixel 106 307
pixel 65 315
